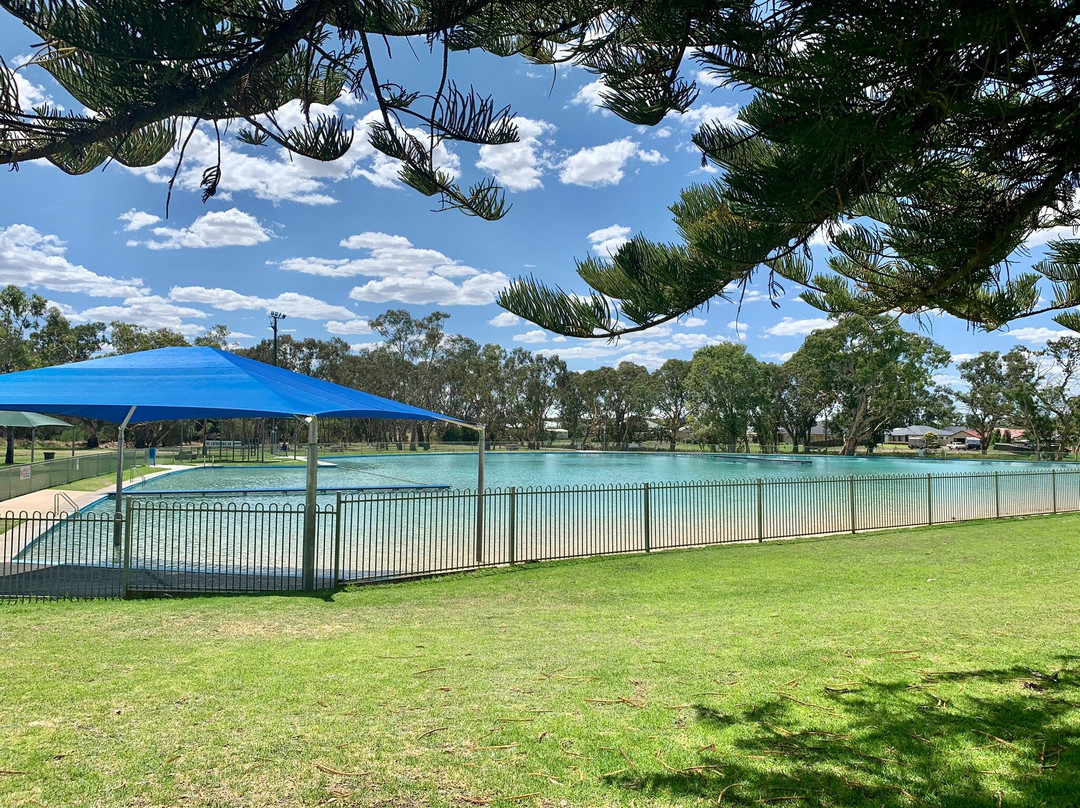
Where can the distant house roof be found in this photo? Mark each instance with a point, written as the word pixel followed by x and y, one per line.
pixel 920 430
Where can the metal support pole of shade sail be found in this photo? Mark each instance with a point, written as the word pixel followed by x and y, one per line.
pixel 118 514
pixel 482 439
pixel 311 503
pixel 33 442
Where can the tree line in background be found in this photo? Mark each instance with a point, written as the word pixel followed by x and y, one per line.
pixel 857 379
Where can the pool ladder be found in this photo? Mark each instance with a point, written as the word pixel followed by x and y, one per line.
pixel 61 499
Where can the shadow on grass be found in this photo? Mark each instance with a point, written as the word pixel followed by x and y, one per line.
pixel 966 738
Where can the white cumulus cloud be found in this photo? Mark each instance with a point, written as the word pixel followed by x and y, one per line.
pixel 476 291
pixel 603 165
pixel 30 94
pixel 790 327
pixel 351 327
pixel 706 113
pixel 273 174
pixel 1033 334
pixel 151 311
pixel 588 96
pixel 138 219
pixel 504 320
pixel 293 304
pixel 404 272
pixel 531 337
pixel 707 78
pixel 518 166
pixel 649 348
pixel 32 259
pixel 224 228
pixel 607 240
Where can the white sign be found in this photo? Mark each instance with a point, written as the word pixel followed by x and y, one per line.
pixel 24 473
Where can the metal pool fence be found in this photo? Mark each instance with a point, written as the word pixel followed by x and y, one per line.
pixel 171 546
pixel 17 480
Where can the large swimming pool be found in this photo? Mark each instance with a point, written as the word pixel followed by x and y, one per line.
pixel 243 527
pixel 539 469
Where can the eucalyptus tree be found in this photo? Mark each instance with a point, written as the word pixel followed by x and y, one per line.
pixel 1060 389
pixel 126 338
pixel 616 402
pixel 56 341
pixel 1023 377
pixel 800 398
pixel 985 400
pixel 479 383
pixel 671 405
pixel 632 400
pixel 871 373
pixel 765 420
pixel 19 314
pixel 217 336
pixel 538 382
pixel 937 407
pixel 419 343
pixel 382 373
pixel 726 389
pixel 588 410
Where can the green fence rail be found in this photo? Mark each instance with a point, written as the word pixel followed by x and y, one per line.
pixel 202 547
pixel 17 480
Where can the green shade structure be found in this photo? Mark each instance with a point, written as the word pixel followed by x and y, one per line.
pixel 31 421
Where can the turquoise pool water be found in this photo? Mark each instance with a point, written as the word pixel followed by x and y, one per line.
pixel 710 499
pixel 538 469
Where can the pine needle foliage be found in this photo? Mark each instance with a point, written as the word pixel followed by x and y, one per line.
pixel 925 141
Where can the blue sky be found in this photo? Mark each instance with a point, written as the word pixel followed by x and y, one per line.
pixel 333 245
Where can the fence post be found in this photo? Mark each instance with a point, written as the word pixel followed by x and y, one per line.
pixel 311 506
pixel 337 543
pixel 997 495
pixel 1053 487
pixel 513 525
pixel 760 510
pixel 479 539
pixel 648 520
pixel 125 577
pixel 929 501
pixel 851 491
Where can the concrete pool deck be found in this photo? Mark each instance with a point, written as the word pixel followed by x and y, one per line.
pixel 43 501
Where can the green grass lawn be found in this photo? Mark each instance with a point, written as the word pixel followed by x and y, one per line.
pixel 102 480
pixel 938 666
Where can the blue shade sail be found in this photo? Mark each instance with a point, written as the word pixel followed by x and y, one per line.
pixel 169 384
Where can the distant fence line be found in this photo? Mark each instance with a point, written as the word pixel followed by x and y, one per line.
pixel 205 547
pixel 25 478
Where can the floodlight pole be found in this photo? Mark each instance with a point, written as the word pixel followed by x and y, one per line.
pixel 311 504
pixel 274 317
pixel 118 514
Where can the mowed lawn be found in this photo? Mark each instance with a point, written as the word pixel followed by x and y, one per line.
pixel 925 667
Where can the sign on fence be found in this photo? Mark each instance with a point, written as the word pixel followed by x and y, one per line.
pixel 24 473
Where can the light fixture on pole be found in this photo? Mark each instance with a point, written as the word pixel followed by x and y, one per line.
pixel 274 317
